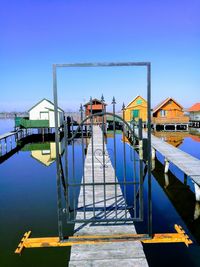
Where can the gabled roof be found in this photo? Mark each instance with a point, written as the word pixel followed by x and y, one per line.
pixel 134 100
pixel 160 105
pixel 94 99
pixel 195 107
pixel 47 108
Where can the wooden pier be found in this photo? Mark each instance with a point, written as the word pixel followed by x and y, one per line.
pixel 129 253
pixel 188 164
pixel 6 135
pixel 8 144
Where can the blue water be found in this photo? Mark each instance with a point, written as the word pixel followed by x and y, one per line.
pixel 171 205
pixel 28 201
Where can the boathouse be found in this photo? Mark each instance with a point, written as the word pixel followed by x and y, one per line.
pixel 136 109
pixel 194 114
pixel 93 107
pixel 41 115
pixel 169 116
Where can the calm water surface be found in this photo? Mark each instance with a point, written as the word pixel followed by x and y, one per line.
pixel 29 202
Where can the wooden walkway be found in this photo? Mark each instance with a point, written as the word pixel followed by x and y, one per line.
pixel 4 136
pixel 188 164
pixel 128 253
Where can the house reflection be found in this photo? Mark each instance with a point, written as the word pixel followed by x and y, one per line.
pixel 173 138
pixel 45 152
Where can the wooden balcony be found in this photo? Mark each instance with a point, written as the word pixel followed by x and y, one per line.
pixel 174 120
pixel 26 123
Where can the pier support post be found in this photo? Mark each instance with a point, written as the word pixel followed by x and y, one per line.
pixel 153 153
pixel 153 164
pixel 5 145
pixel 197 191
pixel 153 156
pixel 11 142
pixel 166 165
pixel 166 180
pixel 197 210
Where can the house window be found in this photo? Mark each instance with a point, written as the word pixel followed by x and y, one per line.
pixel 44 115
pixel 139 102
pixel 163 113
pixel 135 113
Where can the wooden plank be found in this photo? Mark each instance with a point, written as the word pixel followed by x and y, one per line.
pixel 3 136
pixel 185 162
pixel 110 254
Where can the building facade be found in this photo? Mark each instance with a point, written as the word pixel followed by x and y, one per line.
pixel 41 115
pixel 94 107
pixel 169 115
pixel 136 109
pixel 194 114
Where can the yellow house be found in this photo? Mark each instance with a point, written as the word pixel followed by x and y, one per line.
pixel 136 109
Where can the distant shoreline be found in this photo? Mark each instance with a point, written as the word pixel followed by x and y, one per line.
pixel 11 115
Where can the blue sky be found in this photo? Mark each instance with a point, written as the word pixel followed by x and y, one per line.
pixel 37 33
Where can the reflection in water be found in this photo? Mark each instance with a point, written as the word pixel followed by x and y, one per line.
pixel 173 138
pixel 182 198
pixel 45 152
pixel 177 138
pixel 186 202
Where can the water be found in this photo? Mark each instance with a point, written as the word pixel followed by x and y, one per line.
pixel 28 201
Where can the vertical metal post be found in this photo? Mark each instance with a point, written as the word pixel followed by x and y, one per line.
pixel 92 143
pixel 124 161
pixel 73 169
pixel 83 160
pixel 149 148
pixel 115 155
pixel 103 141
pixel 66 168
pixel 140 135
pixel 59 204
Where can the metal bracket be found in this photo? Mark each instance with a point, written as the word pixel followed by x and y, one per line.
pixel 178 237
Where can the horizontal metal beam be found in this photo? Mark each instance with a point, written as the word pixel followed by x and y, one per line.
pixel 178 237
pixel 103 64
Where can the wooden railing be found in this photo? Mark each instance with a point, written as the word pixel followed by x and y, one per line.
pixel 26 123
pixel 182 119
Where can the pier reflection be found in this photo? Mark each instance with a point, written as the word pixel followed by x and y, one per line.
pixel 182 198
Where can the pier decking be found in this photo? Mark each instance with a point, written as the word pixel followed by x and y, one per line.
pixel 128 253
pixel 5 135
pixel 188 164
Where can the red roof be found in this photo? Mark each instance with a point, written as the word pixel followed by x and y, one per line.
pixel 195 107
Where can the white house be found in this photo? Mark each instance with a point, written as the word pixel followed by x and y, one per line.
pixel 44 110
pixel 194 112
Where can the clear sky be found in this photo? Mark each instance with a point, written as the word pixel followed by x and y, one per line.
pixel 37 33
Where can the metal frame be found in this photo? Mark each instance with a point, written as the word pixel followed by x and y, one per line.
pixel 147 65
pixel 178 237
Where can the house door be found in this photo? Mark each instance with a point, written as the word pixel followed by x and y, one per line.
pixel 135 113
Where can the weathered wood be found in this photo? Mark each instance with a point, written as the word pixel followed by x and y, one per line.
pixel 188 164
pixel 185 162
pixel 3 136
pixel 112 254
